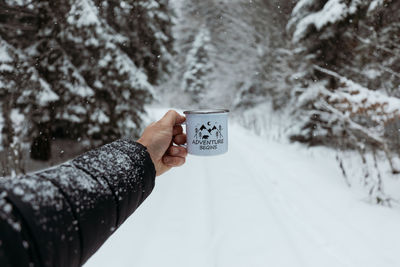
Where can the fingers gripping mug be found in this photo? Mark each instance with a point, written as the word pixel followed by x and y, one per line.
pixel 207 131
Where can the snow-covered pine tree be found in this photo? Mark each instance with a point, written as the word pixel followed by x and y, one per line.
pixel 99 74
pixel 324 27
pixel 271 80
pixel 332 32
pixel 70 111
pixel 24 94
pixel 234 46
pixel 332 103
pixel 147 26
pixel 121 89
pixel 35 27
pixel 376 38
pixel 196 78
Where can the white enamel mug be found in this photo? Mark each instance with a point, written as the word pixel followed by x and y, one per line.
pixel 207 131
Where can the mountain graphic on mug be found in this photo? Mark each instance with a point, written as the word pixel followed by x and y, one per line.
pixel 208 131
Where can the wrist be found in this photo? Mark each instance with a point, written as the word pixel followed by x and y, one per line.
pixel 146 145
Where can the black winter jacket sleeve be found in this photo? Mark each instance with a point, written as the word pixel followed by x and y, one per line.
pixel 61 216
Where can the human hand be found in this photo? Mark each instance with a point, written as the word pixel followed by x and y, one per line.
pixel 159 138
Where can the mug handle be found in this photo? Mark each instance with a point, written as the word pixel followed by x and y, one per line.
pixel 183 124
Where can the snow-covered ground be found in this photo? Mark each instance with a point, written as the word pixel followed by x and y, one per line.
pixel 264 203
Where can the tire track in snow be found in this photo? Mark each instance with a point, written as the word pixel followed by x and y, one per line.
pixel 319 234
pixel 287 214
pixel 266 191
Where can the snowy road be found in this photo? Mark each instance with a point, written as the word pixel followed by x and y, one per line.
pixel 261 204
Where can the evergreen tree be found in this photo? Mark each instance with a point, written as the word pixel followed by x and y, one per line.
pixel 95 61
pixel 196 78
pixel 346 94
pixel 70 112
pixel 326 30
pixel 147 26
pixel 24 93
pixel 118 84
pixel 273 68
pixel 234 50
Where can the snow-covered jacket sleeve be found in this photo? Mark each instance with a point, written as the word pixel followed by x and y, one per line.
pixel 61 216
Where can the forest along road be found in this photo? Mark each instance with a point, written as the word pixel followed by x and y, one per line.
pixel 263 203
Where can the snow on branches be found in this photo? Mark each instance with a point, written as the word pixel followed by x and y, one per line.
pixel 114 77
pixel 315 15
pixel 25 100
pixel 351 117
pixel 198 67
pixel 347 94
pixel 146 25
pixel 82 69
